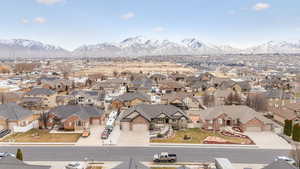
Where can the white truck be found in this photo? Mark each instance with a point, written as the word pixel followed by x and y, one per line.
pixel 164 157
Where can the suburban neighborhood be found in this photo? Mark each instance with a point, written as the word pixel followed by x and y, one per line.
pixel 43 104
pixel 149 84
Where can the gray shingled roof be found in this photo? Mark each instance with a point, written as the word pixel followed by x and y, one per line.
pixel 131 164
pixel 131 96
pixel 243 113
pixel 40 91
pixel 84 112
pixel 12 111
pixel 280 164
pixel 13 163
pixel 150 111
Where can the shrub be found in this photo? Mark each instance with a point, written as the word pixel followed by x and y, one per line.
pixel 159 135
pixel 186 137
pixel 288 126
pixel 19 155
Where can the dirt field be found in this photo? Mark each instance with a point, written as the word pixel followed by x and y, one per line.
pixel 108 68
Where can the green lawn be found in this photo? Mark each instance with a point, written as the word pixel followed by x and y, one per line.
pixel 197 137
pixel 36 135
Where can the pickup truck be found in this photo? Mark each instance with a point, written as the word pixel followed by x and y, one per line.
pixel 164 157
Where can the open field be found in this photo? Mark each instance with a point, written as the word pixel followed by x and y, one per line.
pixel 36 135
pixel 108 68
pixel 197 137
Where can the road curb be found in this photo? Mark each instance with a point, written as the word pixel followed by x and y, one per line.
pixel 203 145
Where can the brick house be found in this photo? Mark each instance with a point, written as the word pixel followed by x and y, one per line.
pixel 131 99
pixel 13 115
pixel 47 96
pixel 76 117
pixel 247 119
pixel 147 116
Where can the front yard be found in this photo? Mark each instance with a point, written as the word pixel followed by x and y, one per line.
pixel 197 137
pixel 36 135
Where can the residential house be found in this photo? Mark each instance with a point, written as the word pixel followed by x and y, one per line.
pixel 247 119
pixel 290 111
pixel 48 96
pixel 13 163
pixel 88 97
pixel 169 86
pixel 280 164
pixel 76 117
pixel 131 99
pixel 184 101
pixel 148 116
pixel 14 117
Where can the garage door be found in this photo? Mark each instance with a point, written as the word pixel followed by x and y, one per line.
pixel 125 126
pixel 139 127
pixel 11 125
pixel 95 121
pixel 254 129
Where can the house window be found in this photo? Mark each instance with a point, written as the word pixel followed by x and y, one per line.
pixel 210 121
pixel 220 121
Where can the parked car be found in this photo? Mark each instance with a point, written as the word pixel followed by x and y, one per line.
pixel 164 157
pixel 75 165
pixel 6 154
pixel 4 132
pixel 287 159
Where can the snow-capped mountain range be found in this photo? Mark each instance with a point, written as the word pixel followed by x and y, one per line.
pixel 29 48
pixel 138 46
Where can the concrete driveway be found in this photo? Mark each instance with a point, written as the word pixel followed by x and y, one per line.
pixel 134 138
pixel 94 139
pixel 268 140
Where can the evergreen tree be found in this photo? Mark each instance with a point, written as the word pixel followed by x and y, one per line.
pixel 296 133
pixel 19 155
pixel 288 126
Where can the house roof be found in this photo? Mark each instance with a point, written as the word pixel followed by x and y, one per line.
pixel 280 164
pixel 12 111
pixel 84 112
pixel 131 164
pixel 40 91
pixel 178 96
pixel 277 93
pixel 285 113
pixel 131 96
pixel 13 163
pixel 243 113
pixel 150 111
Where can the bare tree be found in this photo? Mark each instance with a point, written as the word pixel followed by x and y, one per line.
pixel 208 99
pixel 233 99
pixel 65 69
pixel 257 102
pixel 25 67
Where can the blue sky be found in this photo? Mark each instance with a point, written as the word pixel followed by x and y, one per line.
pixel 70 23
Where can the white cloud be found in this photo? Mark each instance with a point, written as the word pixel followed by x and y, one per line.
pixel 40 20
pixel 128 16
pixel 49 2
pixel 159 29
pixel 24 21
pixel 261 6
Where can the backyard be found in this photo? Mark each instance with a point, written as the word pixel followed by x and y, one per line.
pixel 36 135
pixel 197 136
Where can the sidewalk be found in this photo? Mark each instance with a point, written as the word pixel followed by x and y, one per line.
pixel 204 145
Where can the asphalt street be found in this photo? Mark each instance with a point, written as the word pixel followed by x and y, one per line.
pixel 185 154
